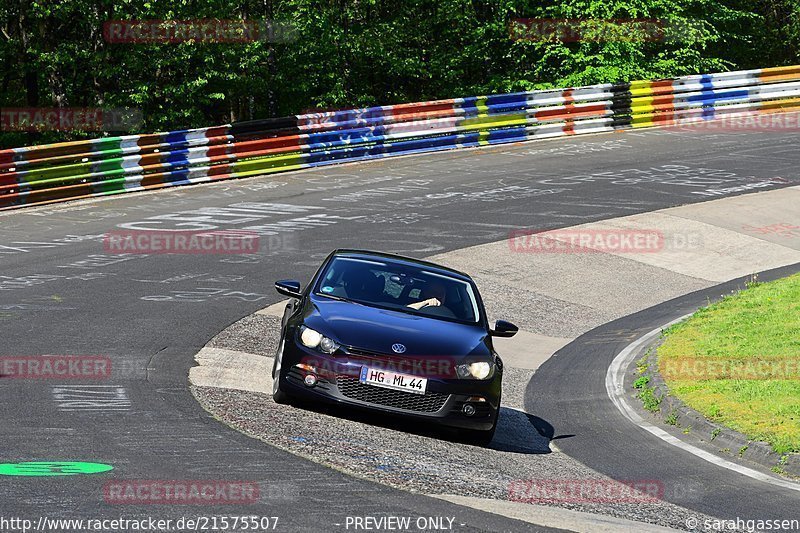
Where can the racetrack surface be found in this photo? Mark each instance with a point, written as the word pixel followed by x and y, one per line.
pixel 61 293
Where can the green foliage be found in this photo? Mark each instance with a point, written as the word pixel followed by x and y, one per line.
pixel 362 52
pixel 742 450
pixel 672 418
pixel 650 400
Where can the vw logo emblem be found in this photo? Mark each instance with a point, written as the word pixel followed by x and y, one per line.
pixel 398 348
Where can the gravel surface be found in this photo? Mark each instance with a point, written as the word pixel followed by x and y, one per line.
pixel 409 455
pixel 417 458
pixel 256 334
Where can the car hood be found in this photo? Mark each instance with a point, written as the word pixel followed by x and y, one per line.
pixel 376 330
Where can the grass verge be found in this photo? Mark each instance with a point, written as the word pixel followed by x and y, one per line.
pixel 737 361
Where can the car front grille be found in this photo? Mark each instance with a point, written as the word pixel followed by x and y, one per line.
pixel 361 351
pixel 430 402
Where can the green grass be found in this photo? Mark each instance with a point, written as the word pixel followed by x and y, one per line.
pixel 760 325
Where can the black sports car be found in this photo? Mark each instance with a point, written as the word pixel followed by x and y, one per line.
pixel 392 334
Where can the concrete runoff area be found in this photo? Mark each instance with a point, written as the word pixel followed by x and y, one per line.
pixel 723 242
pixel 231 369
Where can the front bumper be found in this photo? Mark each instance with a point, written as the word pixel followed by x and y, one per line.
pixel 337 383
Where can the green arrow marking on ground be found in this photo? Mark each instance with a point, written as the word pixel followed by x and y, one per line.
pixel 52 468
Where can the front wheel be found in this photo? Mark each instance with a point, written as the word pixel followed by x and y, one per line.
pixel 278 396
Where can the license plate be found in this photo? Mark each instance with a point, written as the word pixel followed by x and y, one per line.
pixel 393 380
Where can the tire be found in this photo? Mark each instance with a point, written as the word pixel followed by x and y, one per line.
pixel 279 396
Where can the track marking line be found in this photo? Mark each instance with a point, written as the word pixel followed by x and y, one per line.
pixel 616 392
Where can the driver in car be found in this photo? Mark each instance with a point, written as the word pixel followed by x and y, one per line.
pixel 363 285
pixel 434 294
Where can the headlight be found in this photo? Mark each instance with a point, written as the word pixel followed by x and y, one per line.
pixel 479 370
pixel 309 337
pixel 315 339
pixel 327 345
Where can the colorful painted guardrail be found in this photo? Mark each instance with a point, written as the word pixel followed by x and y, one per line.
pixel 112 165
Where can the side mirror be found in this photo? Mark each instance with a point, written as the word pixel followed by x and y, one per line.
pixel 288 287
pixel 503 329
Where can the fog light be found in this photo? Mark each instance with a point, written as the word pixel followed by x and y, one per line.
pixel 310 380
pixel 468 409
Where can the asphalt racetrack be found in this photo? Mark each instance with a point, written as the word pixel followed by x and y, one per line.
pixel 62 293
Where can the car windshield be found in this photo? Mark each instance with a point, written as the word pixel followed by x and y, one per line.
pixel 398 286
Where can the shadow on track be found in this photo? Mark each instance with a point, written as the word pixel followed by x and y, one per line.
pixel 516 430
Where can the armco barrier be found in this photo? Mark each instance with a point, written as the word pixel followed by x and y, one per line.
pixel 112 165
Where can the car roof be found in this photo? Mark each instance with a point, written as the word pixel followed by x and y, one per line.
pixel 367 254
